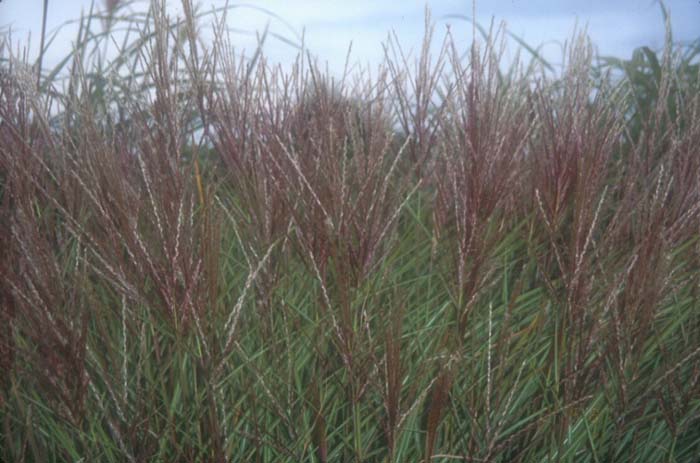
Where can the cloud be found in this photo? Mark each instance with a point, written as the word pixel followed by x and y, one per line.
pixel 616 27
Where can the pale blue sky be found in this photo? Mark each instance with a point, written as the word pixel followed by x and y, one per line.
pixel 616 26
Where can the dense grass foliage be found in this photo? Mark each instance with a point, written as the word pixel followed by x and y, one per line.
pixel 205 258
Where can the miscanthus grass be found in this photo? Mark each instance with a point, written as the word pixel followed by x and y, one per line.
pixel 206 258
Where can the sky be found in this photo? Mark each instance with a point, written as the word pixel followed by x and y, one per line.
pixel 616 27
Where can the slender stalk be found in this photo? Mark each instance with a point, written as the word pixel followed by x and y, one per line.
pixel 42 44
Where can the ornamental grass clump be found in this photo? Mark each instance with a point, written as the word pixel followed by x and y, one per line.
pixel 206 257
